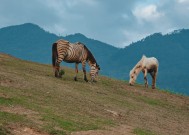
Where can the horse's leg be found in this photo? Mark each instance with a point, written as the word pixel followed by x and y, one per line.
pixel 153 75
pixel 76 71
pixel 145 77
pixel 84 70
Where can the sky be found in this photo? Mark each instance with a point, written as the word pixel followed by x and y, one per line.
pixel 116 22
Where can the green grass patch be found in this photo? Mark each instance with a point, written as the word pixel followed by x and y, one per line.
pixel 152 102
pixel 18 97
pixel 6 117
pixel 11 101
pixel 4 131
pixel 6 101
pixel 68 125
pixel 139 131
pixel 74 123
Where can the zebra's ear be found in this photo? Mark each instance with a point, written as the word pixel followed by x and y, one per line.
pixel 98 67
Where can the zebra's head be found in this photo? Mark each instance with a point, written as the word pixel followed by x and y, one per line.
pixel 94 71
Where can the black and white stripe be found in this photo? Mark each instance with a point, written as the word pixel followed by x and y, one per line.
pixel 76 53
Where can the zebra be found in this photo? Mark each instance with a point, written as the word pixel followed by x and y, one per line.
pixel 63 50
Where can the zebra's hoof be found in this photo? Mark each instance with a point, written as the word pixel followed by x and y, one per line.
pixel 75 78
pixel 93 81
pixel 59 76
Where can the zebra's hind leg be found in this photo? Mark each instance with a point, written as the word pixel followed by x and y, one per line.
pixel 76 71
pixel 85 78
pixel 56 73
pixel 56 70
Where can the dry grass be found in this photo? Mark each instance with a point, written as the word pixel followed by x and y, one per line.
pixel 32 98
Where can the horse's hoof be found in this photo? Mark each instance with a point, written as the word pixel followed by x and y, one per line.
pixel 131 84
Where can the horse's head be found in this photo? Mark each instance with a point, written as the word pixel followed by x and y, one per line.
pixel 133 77
pixel 133 74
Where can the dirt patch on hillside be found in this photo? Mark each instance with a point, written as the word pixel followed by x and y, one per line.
pixel 18 110
pixel 22 130
pixel 6 82
pixel 32 115
pixel 2 95
pixel 17 129
pixel 120 130
pixel 14 81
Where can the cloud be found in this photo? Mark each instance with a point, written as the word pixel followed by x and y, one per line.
pixel 147 13
pixel 183 1
pixel 110 21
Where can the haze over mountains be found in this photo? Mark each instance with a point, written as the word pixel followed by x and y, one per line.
pixel 30 42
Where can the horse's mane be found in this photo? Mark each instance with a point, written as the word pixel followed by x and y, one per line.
pixel 89 54
pixel 138 65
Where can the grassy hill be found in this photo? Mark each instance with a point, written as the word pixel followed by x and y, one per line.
pixel 33 101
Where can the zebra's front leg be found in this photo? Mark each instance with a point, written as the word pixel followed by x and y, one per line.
pixel 84 71
pixel 93 73
pixel 56 73
pixel 76 71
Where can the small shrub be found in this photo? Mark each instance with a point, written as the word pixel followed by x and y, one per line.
pixel 3 131
pixel 62 72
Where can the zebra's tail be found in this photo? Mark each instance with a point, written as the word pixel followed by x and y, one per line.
pixel 54 54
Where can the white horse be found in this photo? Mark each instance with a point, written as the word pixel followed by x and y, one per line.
pixel 146 65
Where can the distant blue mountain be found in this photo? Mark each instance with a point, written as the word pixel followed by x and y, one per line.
pixel 30 42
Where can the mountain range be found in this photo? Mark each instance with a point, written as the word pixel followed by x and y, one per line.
pixel 30 42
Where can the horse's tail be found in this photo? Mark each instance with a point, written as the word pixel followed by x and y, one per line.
pixel 157 68
pixel 54 54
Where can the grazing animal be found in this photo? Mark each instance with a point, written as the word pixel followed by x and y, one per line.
pixel 146 65
pixel 76 53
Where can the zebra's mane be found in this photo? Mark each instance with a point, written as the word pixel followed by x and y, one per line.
pixel 90 56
